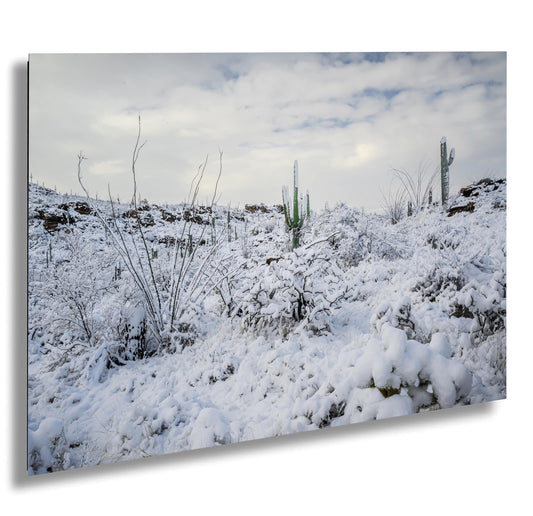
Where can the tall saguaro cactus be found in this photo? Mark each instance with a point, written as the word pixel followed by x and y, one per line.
pixel 445 163
pixel 295 218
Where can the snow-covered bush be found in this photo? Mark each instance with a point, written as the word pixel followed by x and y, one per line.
pixel 395 313
pixel 352 237
pixel 484 303
pixel 47 447
pixel 416 187
pixel 425 373
pixel 355 236
pixel 300 287
pixel 394 206
pixel 86 317
pixel 71 291
pixel 209 429
pixel 440 279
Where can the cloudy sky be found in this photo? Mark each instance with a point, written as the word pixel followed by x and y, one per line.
pixel 349 120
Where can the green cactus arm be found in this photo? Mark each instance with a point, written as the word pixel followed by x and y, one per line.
pixel 286 206
pixel 452 156
pixel 296 211
pixel 287 218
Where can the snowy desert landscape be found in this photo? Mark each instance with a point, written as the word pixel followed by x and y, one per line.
pixel 228 247
pixel 160 328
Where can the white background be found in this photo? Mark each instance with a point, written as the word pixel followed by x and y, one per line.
pixel 469 460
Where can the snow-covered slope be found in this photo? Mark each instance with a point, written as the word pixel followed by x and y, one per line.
pixel 366 320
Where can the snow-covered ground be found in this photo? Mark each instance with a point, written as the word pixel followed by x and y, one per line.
pixel 365 320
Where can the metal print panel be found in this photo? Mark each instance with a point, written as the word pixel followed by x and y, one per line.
pixel 227 247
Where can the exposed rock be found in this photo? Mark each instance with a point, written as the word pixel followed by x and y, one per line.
pixel 169 241
pixel 52 221
pixel 489 185
pixel 472 191
pixel 146 219
pixel 191 216
pixel 167 216
pixel 468 208
pixel 80 207
pixel 254 208
pixel 52 217
pixel 130 214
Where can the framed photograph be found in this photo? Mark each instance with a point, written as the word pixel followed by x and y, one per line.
pixel 230 247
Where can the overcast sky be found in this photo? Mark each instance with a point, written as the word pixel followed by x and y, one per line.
pixel 349 120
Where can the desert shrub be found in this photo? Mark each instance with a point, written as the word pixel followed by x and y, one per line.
pixel 396 313
pixel 357 236
pixel 353 240
pixel 85 314
pixel 302 287
pixel 48 449
pixel 416 187
pixel 394 206
pixel 70 292
pixel 485 304
pixel 440 280
pixel 426 372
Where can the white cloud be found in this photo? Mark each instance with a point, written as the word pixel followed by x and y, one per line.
pixel 346 119
pixel 108 168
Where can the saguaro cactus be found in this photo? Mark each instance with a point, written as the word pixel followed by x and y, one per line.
pixel 295 218
pixel 445 163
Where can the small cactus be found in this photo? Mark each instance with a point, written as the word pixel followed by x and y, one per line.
pixel 213 231
pixel 445 163
pixel 118 272
pixel 295 218
pixel 49 254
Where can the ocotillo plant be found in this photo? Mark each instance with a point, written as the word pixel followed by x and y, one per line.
pixel 295 218
pixel 445 163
